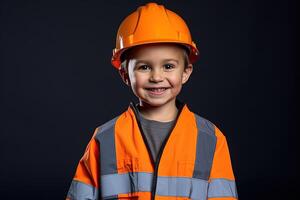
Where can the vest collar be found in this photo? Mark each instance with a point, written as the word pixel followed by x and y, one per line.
pixel 133 109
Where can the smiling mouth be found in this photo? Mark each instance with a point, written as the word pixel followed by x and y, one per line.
pixel 157 92
pixel 157 89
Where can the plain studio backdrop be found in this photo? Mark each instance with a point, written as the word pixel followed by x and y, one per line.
pixel 57 86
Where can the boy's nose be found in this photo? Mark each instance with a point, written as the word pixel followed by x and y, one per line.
pixel 156 76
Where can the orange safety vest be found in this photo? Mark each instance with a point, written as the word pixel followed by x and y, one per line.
pixel 193 162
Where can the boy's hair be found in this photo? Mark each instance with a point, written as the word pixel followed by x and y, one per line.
pixel 125 55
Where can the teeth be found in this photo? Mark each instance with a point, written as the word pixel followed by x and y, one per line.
pixel 157 89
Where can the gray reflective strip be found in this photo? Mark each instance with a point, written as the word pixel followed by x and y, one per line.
pixel 81 191
pixel 182 187
pixel 106 139
pixel 114 184
pixel 222 188
pixel 206 144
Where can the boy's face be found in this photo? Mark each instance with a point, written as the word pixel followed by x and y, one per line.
pixel 156 72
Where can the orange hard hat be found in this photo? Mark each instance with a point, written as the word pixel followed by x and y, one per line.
pixel 152 23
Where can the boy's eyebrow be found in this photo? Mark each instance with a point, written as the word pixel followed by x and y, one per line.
pixel 141 61
pixel 165 60
pixel 171 59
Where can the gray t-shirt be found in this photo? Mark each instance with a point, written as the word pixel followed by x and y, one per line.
pixel 155 132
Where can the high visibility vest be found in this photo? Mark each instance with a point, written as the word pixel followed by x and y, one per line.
pixel 193 162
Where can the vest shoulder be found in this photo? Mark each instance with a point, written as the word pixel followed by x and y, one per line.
pixel 106 128
pixel 204 125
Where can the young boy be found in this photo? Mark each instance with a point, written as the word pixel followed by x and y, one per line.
pixel 157 149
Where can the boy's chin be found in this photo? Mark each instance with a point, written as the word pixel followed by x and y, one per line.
pixel 155 103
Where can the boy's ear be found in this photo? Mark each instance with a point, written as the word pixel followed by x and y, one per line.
pixel 124 75
pixel 187 73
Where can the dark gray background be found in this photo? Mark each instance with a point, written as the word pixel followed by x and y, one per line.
pixel 57 86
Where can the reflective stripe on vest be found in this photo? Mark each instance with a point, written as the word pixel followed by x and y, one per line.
pixel 115 184
pixel 222 188
pixel 206 144
pixel 106 139
pixel 79 190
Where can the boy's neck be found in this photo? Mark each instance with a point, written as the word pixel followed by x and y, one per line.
pixel 164 113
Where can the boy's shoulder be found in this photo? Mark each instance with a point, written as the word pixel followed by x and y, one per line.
pixel 207 127
pixel 105 128
pixel 204 125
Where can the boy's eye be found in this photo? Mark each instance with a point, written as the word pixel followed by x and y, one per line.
pixel 168 66
pixel 143 67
